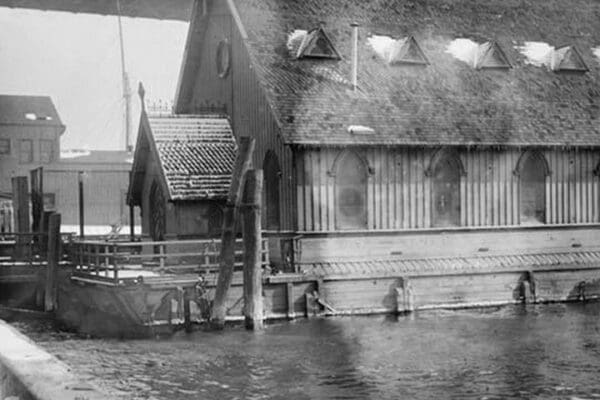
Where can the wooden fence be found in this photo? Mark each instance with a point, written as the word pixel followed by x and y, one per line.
pixel 117 261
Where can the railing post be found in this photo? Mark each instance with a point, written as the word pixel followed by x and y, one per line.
pixel 161 251
pixel 106 260
pixel 53 260
pixel 115 266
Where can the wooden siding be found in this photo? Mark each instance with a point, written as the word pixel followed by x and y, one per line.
pixel 399 190
pixel 245 101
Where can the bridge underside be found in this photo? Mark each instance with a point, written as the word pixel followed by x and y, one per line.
pixel 157 9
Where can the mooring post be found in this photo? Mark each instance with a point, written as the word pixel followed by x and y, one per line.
pixel 253 304
pixel 54 249
pixel 227 253
pixel 20 199
pixel 81 205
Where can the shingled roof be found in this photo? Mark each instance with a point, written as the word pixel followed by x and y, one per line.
pixel 28 110
pixel 196 155
pixel 447 102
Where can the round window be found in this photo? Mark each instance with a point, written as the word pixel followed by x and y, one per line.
pixel 223 58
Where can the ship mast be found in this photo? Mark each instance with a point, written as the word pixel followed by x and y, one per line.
pixel 126 89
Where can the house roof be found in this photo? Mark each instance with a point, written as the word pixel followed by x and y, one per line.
pixel 449 101
pixel 196 155
pixel 28 110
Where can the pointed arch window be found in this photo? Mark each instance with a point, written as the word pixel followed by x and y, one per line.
pixel 157 213
pixel 532 169
pixel 351 177
pixel 445 171
pixel 272 180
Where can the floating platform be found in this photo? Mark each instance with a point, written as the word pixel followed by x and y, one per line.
pixel 146 303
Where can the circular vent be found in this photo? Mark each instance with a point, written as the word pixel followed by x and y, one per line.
pixel 223 58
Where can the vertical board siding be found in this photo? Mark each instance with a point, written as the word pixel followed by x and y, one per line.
pixel 399 194
pixel 251 116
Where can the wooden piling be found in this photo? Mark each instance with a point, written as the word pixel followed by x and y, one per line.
pixel 81 205
pixel 20 199
pixel 226 258
pixel 253 304
pixel 37 198
pixel 54 249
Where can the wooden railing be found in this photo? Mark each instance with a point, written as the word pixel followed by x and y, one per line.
pixel 108 259
pixel 31 247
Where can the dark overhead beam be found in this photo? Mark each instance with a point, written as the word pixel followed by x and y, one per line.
pixel 157 9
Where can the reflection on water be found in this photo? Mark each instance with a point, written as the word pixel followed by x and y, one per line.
pixel 544 352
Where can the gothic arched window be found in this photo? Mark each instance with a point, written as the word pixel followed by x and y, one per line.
pixel 271 190
pixel 532 169
pixel 351 178
pixel 445 173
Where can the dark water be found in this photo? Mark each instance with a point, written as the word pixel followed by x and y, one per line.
pixel 534 352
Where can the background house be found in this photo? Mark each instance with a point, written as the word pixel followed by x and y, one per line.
pixel 30 131
pixel 105 180
pixel 181 174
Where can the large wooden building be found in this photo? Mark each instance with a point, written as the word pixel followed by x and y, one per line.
pixel 409 129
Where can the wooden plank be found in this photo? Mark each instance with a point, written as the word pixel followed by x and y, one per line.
pixel 560 194
pixel 420 181
pixel 253 304
pixel 502 188
pixel 370 196
pixel 406 199
pixel 300 187
pixel 234 197
pixel 330 193
pixel 397 190
pixel 595 198
pixel 316 186
pixel 323 184
pixel 552 183
pixel 308 187
pixel 427 195
pixel 477 190
pixel 589 187
pixel 376 181
pixel 388 183
pixel 577 189
pixel 489 183
pixel 495 209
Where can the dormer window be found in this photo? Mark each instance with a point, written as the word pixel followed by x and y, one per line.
pixel 488 55
pixel 398 51
pixel 312 44
pixel 491 56
pixel 568 59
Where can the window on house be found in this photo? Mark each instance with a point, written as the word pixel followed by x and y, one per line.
pixel 46 151
pixel 533 189
pixel 215 219
pixel 49 201
pixel 351 192
pixel 271 190
pixel 316 44
pixel 446 192
pixel 4 146
pixel 26 151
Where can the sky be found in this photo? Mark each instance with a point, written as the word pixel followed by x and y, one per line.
pixel 75 59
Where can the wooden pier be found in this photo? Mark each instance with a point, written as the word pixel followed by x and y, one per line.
pixel 144 288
